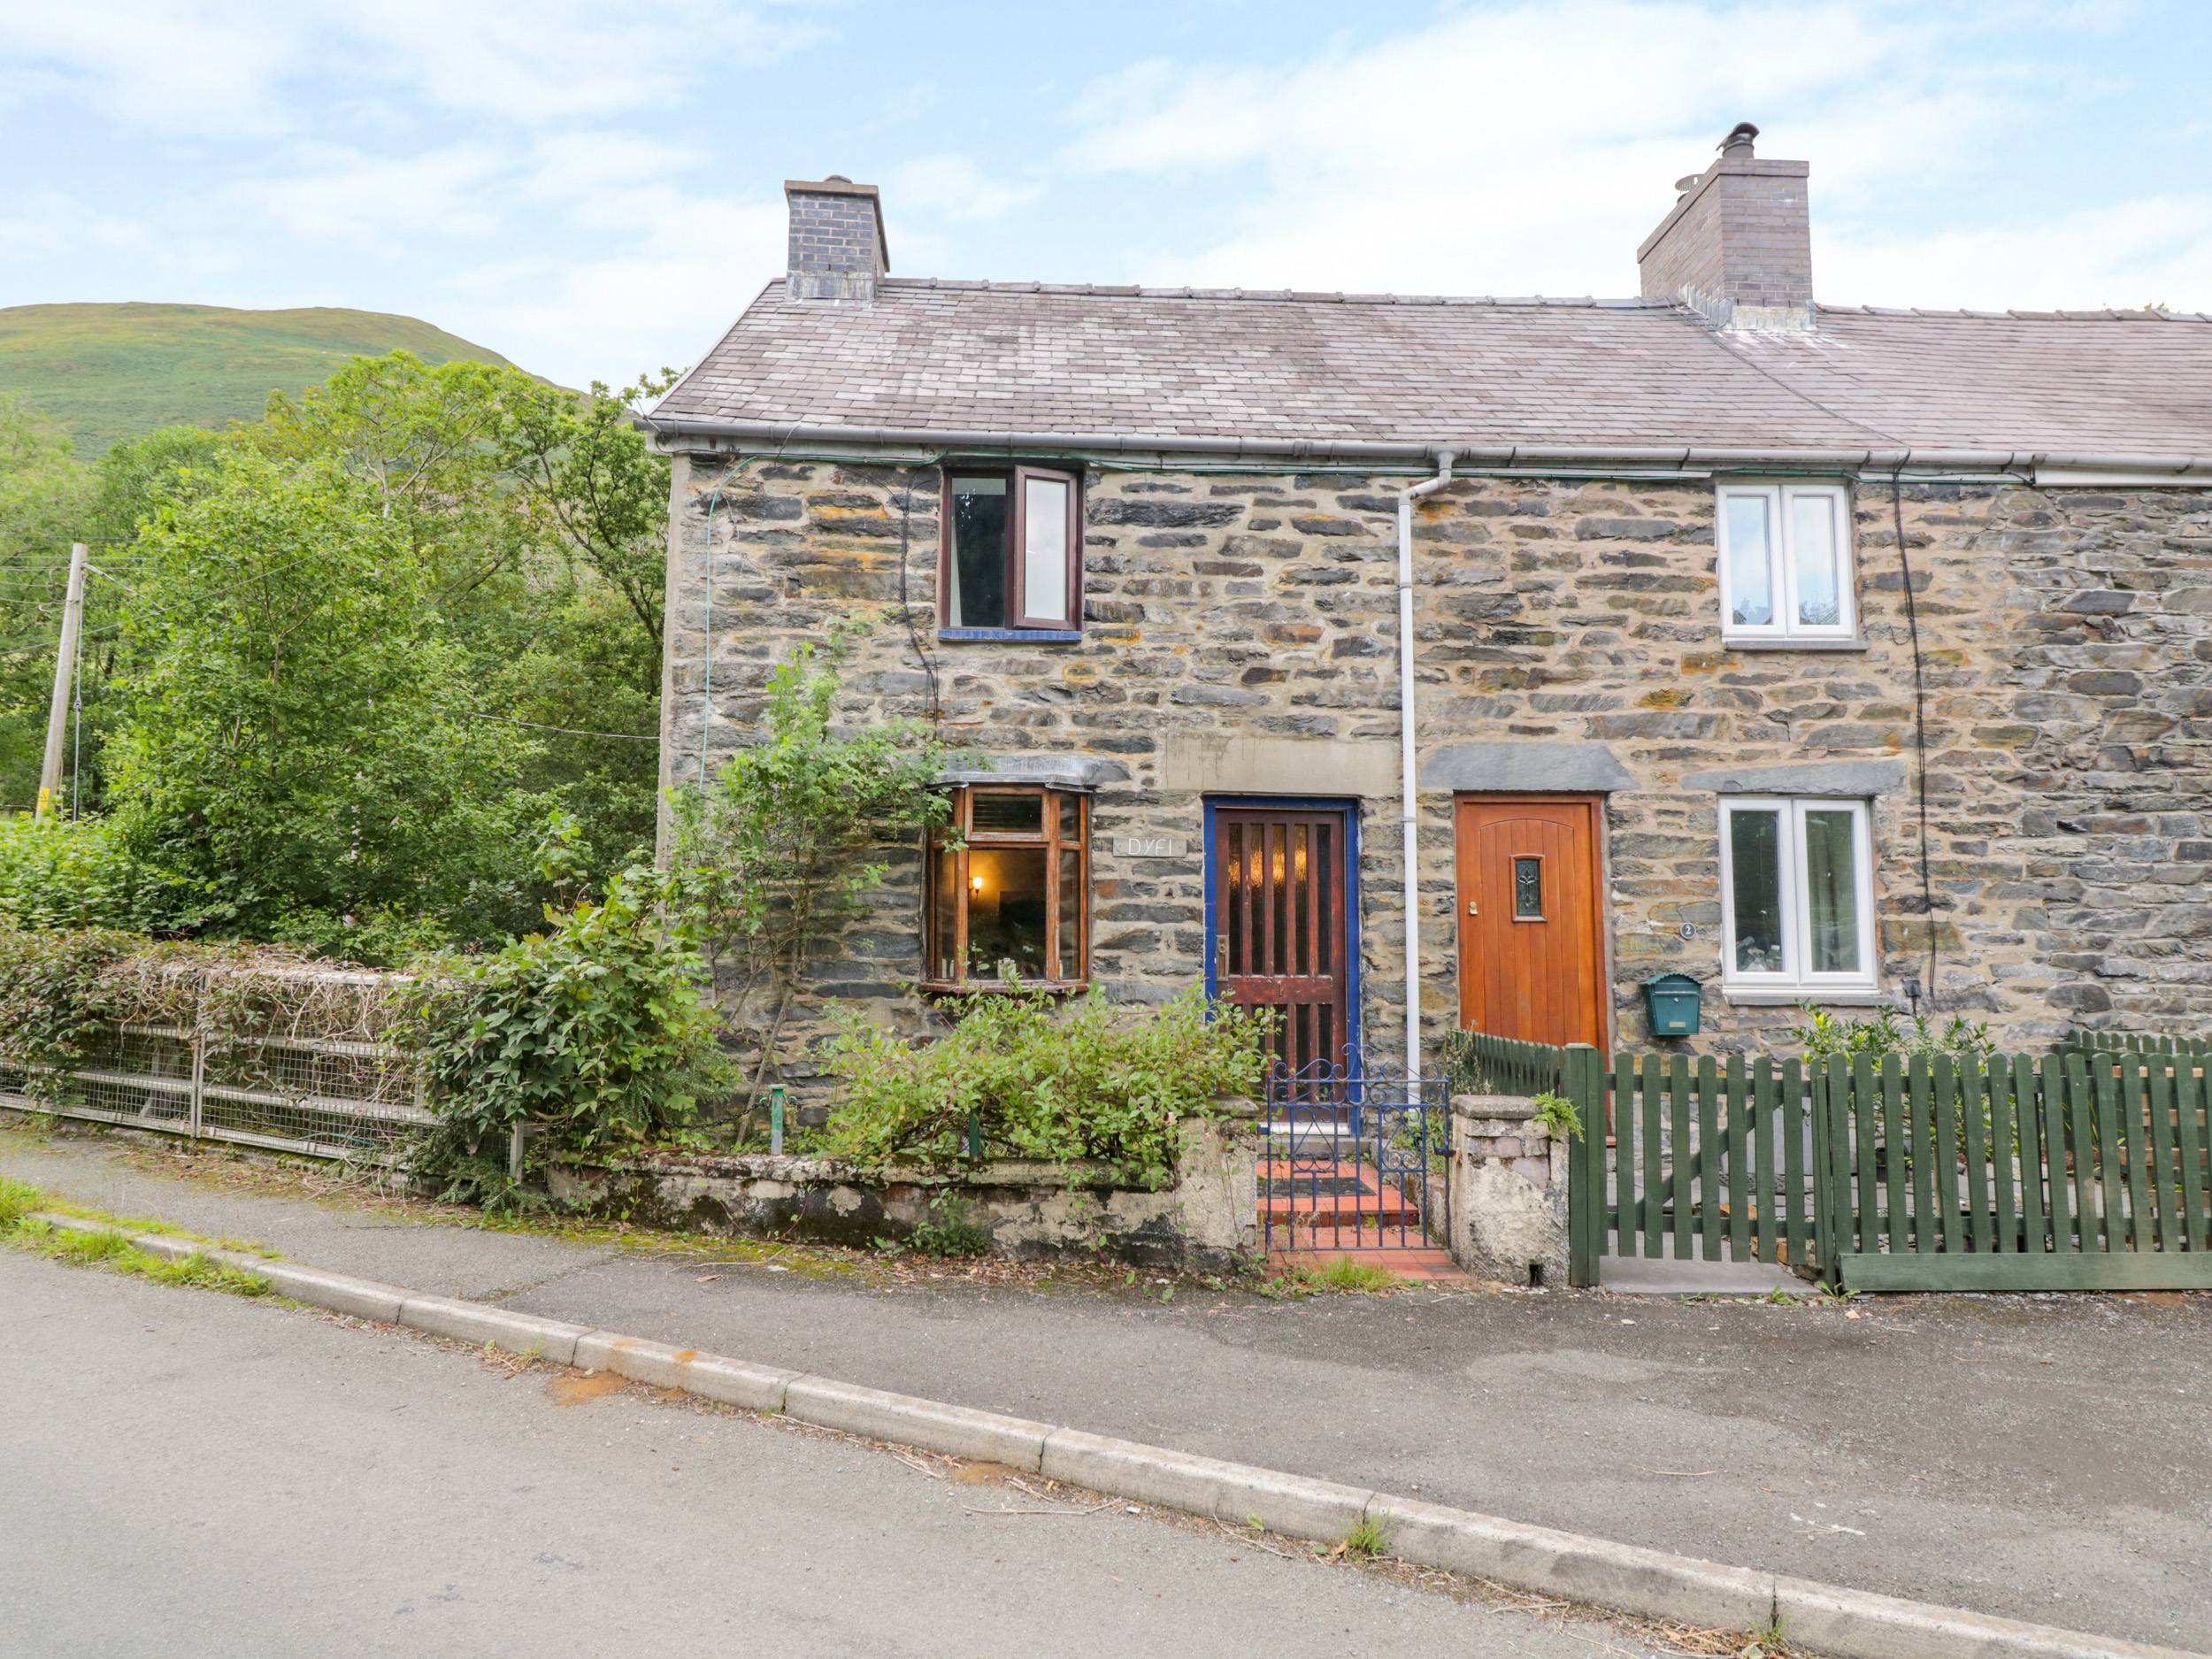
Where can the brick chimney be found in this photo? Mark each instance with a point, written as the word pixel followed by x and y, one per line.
pixel 1738 245
pixel 837 250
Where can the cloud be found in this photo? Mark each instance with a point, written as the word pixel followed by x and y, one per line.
pixel 341 198
pixel 953 187
pixel 2154 249
pixel 610 315
pixel 1530 148
pixel 207 67
pixel 232 68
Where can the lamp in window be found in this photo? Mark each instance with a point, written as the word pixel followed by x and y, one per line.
pixel 1007 897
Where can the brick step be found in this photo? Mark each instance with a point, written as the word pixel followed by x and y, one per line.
pixel 1422 1265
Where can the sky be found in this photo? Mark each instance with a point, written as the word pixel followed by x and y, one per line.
pixel 593 188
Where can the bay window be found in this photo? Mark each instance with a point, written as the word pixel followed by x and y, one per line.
pixel 1012 553
pixel 1797 897
pixel 1007 894
pixel 1783 559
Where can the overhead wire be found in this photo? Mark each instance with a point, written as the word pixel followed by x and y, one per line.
pixel 536 725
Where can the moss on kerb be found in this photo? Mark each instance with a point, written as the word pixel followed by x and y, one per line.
pixel 110 1245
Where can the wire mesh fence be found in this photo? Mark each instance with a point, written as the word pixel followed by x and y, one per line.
pixel 315 1077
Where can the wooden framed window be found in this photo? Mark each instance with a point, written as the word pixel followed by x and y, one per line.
pixel 1797 896
pixel 1008 894
pixel 1784 563
pixel 1011 553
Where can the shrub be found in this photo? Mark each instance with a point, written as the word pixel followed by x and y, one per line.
pixel 1824 1035
pixel 781 850
pixel 55 994
pixel 59 874
pixel 1097 1082
pixel 596 1034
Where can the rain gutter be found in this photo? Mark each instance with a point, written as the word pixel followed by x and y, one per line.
pixel 772 437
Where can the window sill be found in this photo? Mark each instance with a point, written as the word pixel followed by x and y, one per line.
pixel 1743 998
pixel 1767 642
pixel 1065 636
pixel 1002 987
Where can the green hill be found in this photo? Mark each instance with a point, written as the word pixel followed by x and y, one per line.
pixel 115 371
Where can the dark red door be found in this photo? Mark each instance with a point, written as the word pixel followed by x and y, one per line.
pixel 1281 891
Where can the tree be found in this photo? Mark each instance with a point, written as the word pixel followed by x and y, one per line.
pixel 45 494
pixel 294 742
pixel 594 485
pixel 539 518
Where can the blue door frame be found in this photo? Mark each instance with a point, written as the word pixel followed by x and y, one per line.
pixel 1349 805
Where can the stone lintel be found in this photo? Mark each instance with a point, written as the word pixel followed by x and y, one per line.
pixel 1059 771
pixel 1854 779
pixel 1205 762
pixel 1526 769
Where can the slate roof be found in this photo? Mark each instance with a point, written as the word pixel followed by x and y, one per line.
pixel 1621 376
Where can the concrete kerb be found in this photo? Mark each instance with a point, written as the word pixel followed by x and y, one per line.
pixel 1826 1618
pixel 957 1431
pixel 472 1322
pixel 1233 1492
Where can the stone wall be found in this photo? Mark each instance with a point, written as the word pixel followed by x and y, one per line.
pixel 2065 648
pixel 1207 1222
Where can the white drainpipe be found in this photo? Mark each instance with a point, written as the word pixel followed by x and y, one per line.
pixel 1412 814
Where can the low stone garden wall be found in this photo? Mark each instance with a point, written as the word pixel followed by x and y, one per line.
pixel 1207 1222
pixel 1508 1202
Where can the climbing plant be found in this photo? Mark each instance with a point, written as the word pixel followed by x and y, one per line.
pixel 779 848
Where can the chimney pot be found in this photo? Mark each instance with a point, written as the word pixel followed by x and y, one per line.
pixel 1737 145
pixel 838 248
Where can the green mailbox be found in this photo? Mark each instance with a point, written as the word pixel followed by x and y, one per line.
pixel 1672 1002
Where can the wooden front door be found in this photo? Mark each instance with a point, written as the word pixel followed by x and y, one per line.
pixel 1529 960
pixel 1282 889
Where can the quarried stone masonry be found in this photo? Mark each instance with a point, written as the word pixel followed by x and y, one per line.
pixel 2062 689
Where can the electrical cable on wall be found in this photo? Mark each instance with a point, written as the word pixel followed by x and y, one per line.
pixel 706 681
pixel 906 508
pixel 1920 718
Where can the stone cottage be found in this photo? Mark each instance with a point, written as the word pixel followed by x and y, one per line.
pixel 1317 646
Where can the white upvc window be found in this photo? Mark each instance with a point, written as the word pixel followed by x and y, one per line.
pixel 1785 562
pixel 1797 896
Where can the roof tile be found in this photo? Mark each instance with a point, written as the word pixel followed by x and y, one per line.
pixel 1535 371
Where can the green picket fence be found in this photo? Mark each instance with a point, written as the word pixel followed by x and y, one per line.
pixel 2132 1042
pixel 1699 1159
pixel 1486 1065
pixel 2083 1170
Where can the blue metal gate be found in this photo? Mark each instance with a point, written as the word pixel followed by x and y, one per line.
pixel 1353 1158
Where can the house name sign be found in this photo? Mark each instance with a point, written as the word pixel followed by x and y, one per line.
pixel 1151 847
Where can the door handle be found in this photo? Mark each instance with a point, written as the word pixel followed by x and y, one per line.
pixel 1221 956
pixel 1470 907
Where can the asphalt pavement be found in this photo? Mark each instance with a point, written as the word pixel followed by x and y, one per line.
pixel 2047 1459
pixel 192 1474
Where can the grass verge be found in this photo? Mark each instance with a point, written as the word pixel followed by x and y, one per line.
pixel 111 1247
pixel 1344 1274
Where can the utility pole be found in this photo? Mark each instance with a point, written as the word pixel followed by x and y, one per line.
pixel 65 668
